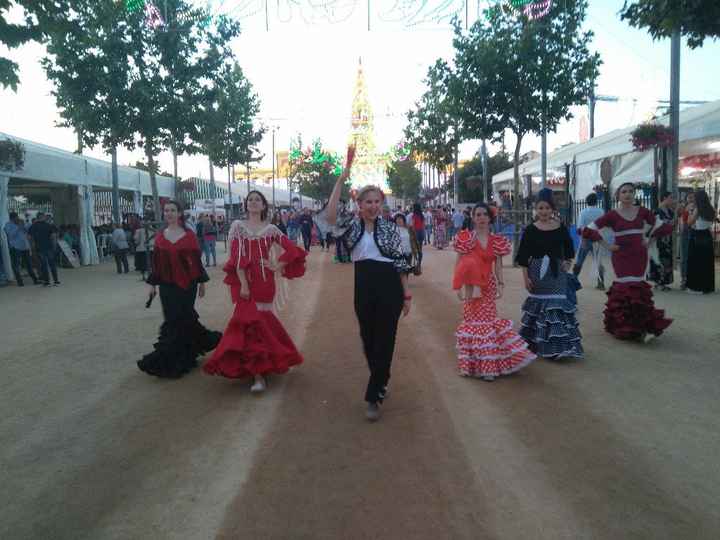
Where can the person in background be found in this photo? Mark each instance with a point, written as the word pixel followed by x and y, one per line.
pixel 685 237
pixel 209 239
pixel 199 233
pixel 418 225
pixel 141 251
pixel 440 222
pixel 19 245
pixel 458 219
pixel 306 225
pixel 428 225
pixel 589 215
pixel 278 222
pixel 120 249
pixel 408 242
pixel 386 213
pixel 701 254
pixel 44 235
pixel 293 227
pixel 661 270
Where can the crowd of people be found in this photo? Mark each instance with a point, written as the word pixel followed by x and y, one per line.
pixel 386 248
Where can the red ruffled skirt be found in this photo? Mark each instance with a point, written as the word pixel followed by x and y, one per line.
pixel 486 345
pixel 630 311
pixel 254 343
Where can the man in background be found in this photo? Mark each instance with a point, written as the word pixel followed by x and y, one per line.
pixel 44 235
pixel 19 249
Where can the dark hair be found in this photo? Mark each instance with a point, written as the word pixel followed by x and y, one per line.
pixel 487 209
pixel 664 195
pixel 591 199
pixel 417 210
pixel 400 216
pixel 617 191
pixel 546 195
pixel 180 210
pixel 13 215
pixel 704 208
pixel 265 210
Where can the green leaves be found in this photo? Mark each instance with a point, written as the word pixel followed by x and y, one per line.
pixel 404 179
pixel 315 170
pixel 696 19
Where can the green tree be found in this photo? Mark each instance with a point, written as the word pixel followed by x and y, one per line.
pixel 696 19
pixel 404 179
pixel 13 35
pixel 471 187
pixel 432 128
pixel 542 68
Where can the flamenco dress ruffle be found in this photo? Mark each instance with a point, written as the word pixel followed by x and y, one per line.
pixel 630 312
pixel 487 345
pixel 254 343
pixel 549 324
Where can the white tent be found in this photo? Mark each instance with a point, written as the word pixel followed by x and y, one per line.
pixel 699 134
pixel 59 170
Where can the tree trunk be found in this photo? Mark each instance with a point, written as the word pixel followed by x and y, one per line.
pixel 80 145
pixel 153 179
pixel 516 192
pixel 229 188
pixel 115 185
pixel 487 181
pixel 212 184
pixel 175 174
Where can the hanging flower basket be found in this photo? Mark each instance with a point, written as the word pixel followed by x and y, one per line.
pixel 12 155
pixel 647 136
pixel 187 185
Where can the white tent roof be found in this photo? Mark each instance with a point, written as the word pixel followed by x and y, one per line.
pixel 52 165
pixel 699 133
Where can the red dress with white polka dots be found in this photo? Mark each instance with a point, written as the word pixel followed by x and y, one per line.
pixel 488 346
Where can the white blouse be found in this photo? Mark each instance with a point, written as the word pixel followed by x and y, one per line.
pixel 366 249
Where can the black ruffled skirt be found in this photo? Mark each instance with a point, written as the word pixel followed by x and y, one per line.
pixel 182 338
pixel 701 262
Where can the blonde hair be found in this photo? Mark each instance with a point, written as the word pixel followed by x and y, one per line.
pixel 367 189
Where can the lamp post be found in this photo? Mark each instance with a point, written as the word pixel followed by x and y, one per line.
pixel 274 129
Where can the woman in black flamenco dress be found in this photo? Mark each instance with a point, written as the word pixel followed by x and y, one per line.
pixel 178 273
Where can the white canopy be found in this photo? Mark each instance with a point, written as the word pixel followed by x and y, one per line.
pixel 699 134
pixel 55 166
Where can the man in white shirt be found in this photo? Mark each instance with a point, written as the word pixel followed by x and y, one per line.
pixel 588 216
pixel 457 221
pixel 428 225
pixel 120 249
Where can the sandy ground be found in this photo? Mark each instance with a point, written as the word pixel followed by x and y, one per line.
pixel 623 444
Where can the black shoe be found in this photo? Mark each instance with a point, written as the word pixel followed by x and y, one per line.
pixel 20 284
pixel 57 283
pixel 46 283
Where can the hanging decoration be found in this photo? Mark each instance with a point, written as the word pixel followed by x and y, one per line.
pixel 316 158
pixel 651 135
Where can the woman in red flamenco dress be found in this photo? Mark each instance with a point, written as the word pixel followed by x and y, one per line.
pixel 630 312
pixel 255 344
pixel 487 346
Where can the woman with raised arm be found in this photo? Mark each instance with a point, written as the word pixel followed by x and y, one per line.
pixel 381 292
pixel 630 312
pixel 255 344
pixel 178 272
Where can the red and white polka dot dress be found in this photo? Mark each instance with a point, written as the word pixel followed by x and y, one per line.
pixel 488 346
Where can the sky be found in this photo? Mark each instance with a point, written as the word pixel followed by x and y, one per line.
pixel 304 69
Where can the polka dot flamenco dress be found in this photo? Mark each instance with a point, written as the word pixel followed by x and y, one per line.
pixel 487 346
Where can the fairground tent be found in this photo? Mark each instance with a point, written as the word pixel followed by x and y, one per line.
pixel 699 134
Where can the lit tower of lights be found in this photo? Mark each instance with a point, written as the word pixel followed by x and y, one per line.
pixel 367 167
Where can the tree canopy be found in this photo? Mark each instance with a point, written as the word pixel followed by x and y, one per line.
pixel 696 19
pixel 404 179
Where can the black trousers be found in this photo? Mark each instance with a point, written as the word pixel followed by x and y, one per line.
pixel 121 261
pixel 48 260
pixel 18 257
pixel 378 304
pixel 307 237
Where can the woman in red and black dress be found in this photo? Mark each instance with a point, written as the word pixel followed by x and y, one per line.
pixel 255 344
pixel 179 274
pixel 630 312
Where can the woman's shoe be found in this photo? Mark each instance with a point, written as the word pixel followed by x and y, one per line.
pixel 258 386
pixel 373 412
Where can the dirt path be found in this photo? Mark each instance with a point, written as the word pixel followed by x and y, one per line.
pixel 621 445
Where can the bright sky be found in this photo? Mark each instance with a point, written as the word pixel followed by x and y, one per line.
pixel 305 72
